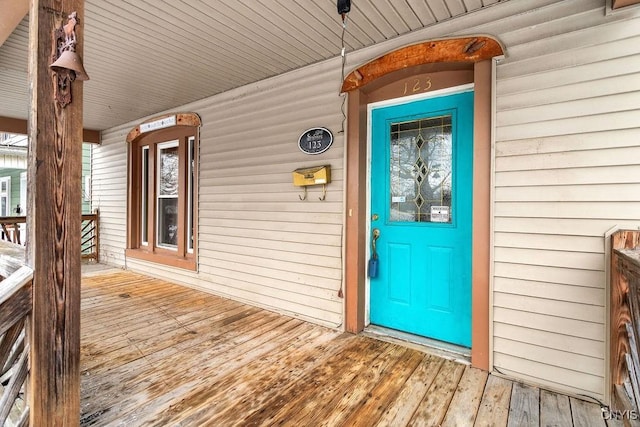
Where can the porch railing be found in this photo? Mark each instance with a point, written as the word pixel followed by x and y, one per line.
pixel 12 229
pixel 15 310
pixel 625 322
pixel 89 236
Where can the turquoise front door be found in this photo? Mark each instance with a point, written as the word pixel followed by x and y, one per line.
pixel 421 205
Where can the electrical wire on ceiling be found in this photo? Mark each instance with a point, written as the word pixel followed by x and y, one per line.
pixel 344 7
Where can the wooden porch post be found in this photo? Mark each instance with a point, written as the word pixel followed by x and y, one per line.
pixel 53 224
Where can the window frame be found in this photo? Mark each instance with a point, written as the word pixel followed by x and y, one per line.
pixel 143 153
pixel 6 194
pixel 158 196
pixel 144 195
pixel 191 193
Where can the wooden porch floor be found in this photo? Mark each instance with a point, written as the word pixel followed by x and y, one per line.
pixel 154 353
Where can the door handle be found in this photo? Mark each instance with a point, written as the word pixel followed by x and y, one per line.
pixel 373 261
pixel 375 235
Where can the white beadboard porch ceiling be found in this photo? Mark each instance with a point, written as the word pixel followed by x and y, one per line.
pixel 147 56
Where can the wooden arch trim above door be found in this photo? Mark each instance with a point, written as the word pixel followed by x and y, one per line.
pixel 465 50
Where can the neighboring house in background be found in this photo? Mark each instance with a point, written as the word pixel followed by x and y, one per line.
pixel 13 175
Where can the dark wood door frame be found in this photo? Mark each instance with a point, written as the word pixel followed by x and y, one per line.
pixel 414 69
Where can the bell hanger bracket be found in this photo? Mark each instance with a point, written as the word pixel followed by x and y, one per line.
pixel 66 64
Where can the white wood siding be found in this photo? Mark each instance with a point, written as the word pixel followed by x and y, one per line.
pixel 8 161
pixel 566 171
pixel 109 194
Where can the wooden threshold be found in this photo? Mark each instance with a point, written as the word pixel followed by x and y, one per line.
pixel 438 348
pixel 155 353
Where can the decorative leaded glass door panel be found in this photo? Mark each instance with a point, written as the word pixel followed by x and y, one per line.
pixel 421 203
pixel 420 170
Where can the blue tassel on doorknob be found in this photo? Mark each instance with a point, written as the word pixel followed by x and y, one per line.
pixel 373 268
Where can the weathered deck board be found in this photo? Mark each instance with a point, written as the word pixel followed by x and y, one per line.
pixel 173 342
pixel 464 405
pixel 306 397
pixel 494 406
pixel 586 414
pixel 433 407
pixel 554 409
pixel 102 351
pixel 348 400
pixel 208 398
pixel 172 372
pixel 165 391
pixel 283 394
pixel 156 354
pixel 385 391
pixel 400 411
pixel 524 409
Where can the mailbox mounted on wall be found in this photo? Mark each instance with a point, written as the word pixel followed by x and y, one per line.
pixel 312 176
pixel 316 175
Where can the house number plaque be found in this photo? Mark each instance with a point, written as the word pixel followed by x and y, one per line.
pixel 315 140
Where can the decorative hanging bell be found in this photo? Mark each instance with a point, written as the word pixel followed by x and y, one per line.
pixel 69 60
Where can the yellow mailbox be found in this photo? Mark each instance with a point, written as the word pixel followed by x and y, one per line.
pixel 316 175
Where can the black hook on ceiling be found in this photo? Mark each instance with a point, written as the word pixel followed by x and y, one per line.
pixel 344 7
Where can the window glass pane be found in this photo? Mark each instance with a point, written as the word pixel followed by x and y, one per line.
pixel 168 222
pixel 168 171
pixel 421 160
pixel 190 206
pixel 167 195
pixel 144 197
